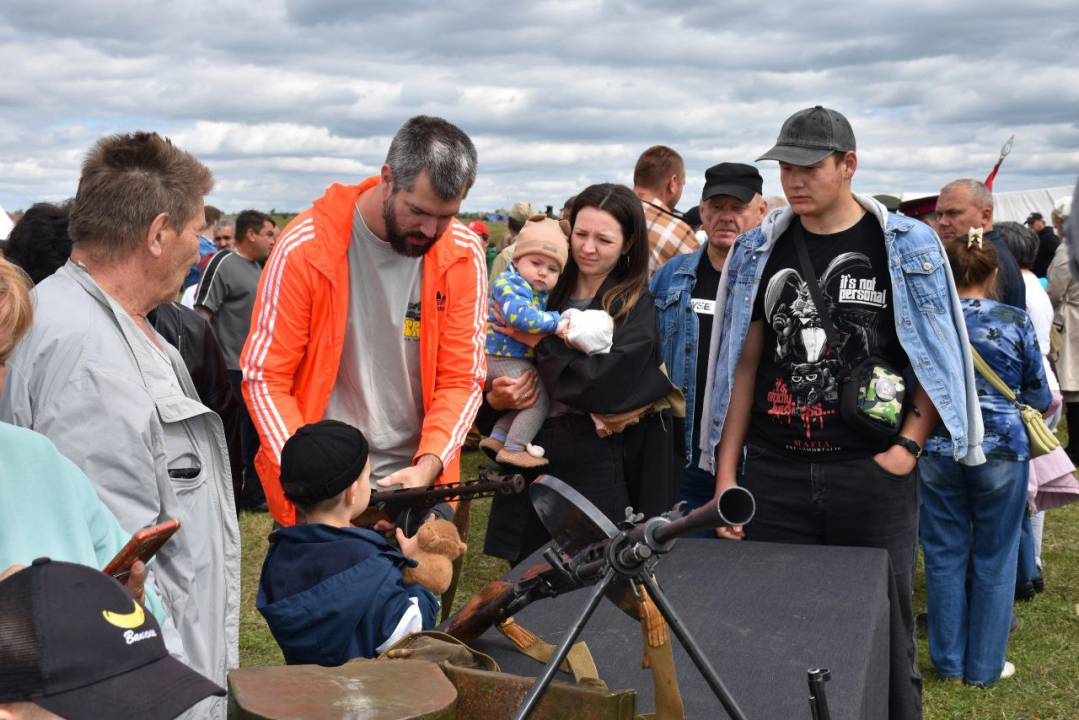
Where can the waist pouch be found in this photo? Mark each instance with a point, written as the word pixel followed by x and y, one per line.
pixel 872 398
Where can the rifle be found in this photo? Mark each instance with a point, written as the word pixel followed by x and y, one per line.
pixel 409 506
pixel 571 568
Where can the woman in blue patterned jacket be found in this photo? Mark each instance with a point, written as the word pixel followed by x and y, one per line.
pixel 976 511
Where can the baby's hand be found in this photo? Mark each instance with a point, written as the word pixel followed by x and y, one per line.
pixel 408 545
pixel 562 328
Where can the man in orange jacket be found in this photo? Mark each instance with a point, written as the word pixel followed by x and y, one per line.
pixel 372 310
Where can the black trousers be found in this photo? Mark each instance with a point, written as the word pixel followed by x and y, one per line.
pixel 653 464
pixel 252 493
pixel 577 456
pixel 853 503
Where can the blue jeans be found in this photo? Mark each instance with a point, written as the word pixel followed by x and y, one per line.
pixel 1028 567
pixel 971 512
pixel 697 488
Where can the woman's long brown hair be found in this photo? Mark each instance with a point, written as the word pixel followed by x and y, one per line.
pixel 631 271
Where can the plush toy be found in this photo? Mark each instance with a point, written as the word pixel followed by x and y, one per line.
pixel 439 545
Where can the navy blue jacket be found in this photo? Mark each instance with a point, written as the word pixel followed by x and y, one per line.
pixel 333 594
pixel 1010 286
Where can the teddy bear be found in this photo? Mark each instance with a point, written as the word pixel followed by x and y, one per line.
pixel 438 545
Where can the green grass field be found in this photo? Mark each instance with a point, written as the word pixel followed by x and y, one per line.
pixel 1045 649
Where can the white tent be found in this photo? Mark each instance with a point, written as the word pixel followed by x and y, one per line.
pixel 1018 206
pixel 6 223
pixel 1015 206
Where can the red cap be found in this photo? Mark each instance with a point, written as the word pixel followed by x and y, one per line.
pixel 479 228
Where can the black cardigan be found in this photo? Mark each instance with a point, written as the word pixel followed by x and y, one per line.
pixel 626 378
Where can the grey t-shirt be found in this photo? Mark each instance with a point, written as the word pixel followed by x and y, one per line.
pixel 378 387
pixel 227 288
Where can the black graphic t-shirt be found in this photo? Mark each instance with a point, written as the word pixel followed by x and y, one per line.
pixel 703 303
pixel 796 394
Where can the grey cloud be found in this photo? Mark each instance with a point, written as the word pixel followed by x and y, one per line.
pixel 283 99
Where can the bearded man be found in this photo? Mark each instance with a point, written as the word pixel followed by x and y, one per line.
pixel 372 311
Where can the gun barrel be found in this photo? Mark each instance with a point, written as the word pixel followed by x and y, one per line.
pixel 498 484
pixel 734 506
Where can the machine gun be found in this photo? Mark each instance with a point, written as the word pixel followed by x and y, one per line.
pixel 408 507
pixel 589 550
pixel 561 573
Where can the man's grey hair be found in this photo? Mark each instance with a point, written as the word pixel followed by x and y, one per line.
pixel 1021 241
pixel 222 224
pixel 127 181
pixel 978 190
pixel 439 147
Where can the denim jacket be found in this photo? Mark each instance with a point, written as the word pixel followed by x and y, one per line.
pixel 928 319
pixel 672 286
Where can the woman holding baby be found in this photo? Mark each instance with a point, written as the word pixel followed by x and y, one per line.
pixel 605 406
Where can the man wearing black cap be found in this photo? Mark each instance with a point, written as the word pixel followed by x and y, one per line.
pixel 74 643
pixel 329 591
pixel 685 290
pixel 1048 242
pixel 777 375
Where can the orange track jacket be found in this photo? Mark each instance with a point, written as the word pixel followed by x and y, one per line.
pixel 292 353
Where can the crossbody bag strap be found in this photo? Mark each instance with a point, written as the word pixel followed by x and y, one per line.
pixel 809 276
pixel 991 376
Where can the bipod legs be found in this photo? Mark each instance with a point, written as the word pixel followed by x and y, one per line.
pixel 690 644
pixel 574 631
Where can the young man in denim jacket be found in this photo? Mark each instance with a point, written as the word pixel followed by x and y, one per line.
pixel 775 384
pixel 685 290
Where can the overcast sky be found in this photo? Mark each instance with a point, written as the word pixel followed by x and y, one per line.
pixel 282 97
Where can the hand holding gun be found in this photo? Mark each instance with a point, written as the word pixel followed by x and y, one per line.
pixel 409 507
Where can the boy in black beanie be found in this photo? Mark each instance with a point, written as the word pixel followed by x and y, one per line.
pixel 329 591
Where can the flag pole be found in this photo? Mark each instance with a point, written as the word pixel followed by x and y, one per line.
pixel 1004 151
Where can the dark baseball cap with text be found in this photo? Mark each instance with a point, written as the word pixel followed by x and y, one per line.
pixel 74 641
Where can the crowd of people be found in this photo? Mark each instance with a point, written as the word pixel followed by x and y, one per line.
pixel 158 361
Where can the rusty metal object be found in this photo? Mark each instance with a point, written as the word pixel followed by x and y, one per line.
pixel 369 689
pixel 483 695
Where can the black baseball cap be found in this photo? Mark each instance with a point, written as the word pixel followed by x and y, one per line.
pixel 74 641
pixel 808 136
pixel 321 460
pixel 692 217
pixel 1032 217
pixel 735 179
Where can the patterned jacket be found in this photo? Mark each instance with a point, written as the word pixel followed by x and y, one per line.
pixel 1004 336
pixel 522 308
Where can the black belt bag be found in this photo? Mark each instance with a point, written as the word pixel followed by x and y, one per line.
pixel 872 394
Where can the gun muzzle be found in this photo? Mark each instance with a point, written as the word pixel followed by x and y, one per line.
pixel 734 506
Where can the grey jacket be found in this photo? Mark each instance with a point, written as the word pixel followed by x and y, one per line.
pixel 1063 291
pixel 87 377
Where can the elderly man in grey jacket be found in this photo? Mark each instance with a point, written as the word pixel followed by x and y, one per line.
pixel 96 378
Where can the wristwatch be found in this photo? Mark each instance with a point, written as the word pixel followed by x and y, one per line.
pixel 914 448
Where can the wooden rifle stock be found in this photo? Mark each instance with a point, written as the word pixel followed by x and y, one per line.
pixel 500 600
pixel 483 611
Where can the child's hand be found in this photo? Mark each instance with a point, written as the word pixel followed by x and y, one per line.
pixel 408 545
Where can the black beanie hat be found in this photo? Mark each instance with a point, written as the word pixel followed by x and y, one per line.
pixel 321 460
